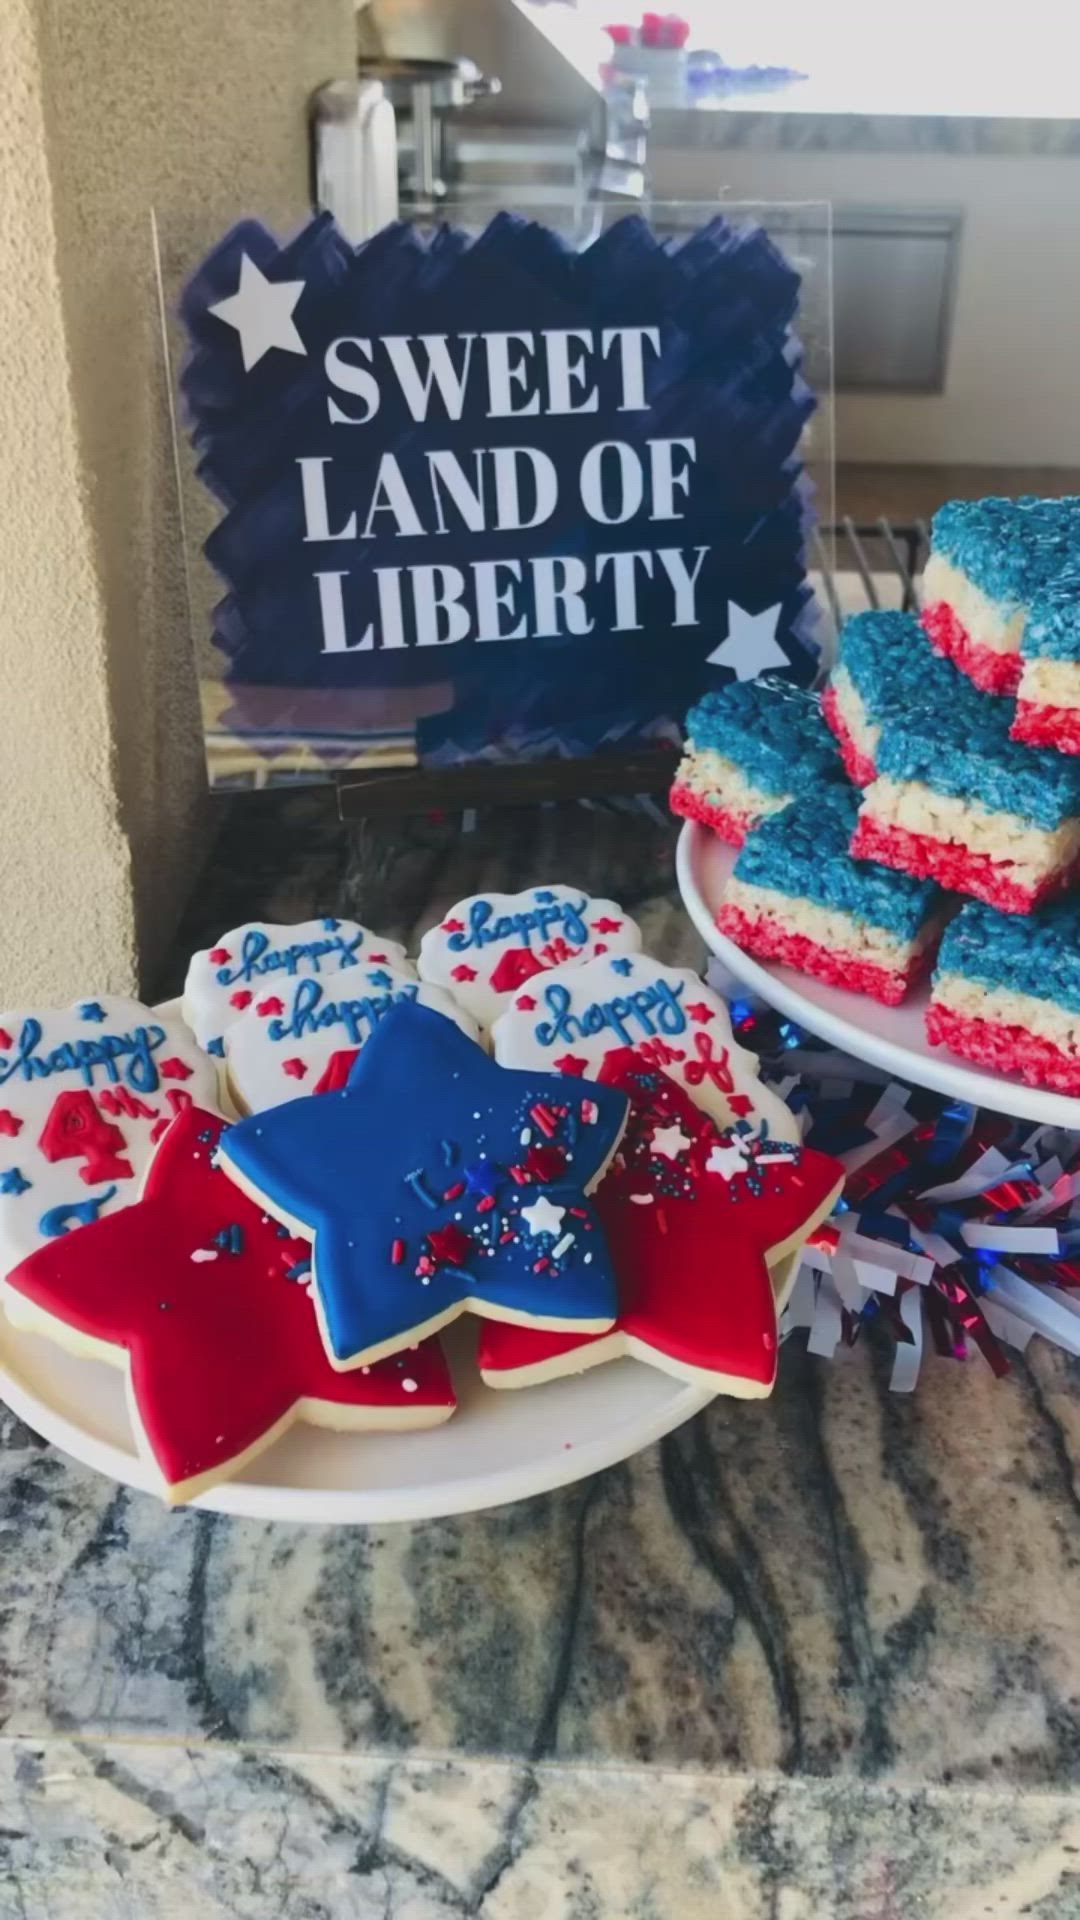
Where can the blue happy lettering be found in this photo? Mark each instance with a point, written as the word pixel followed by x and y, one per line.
pixel 654 1009
pixel 258 956
pixel 311 1014
pixel 124 1056
pixel 484 930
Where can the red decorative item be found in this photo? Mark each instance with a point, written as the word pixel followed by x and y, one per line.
pixel 223 1348
pixel 75 1130
pixel 569 1063
pixel 6 1040
pixel 10 1124
pixel 700 1012
pixel 174 1069
pixel 450 1246
pixel 270 1005
pixel 335 1074
pixel 606 924
pixel 463 972
pixel 545 1164
pixel 241 998
pixel 220 955
pixel 526 1002
pixel 295 1068
pixel 453 926
pixel 516 966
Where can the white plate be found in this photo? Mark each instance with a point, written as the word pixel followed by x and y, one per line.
pixel 893 1038
pixel 498 1446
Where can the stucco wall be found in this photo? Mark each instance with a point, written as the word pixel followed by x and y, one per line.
pixel 111 108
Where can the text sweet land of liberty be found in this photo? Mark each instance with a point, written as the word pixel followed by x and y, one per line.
pixel 504 495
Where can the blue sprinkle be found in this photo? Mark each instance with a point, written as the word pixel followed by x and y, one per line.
pixel 90 1010
pixel 449 1152
pixel 415 1180
pixel 622 966
pixel 230 1239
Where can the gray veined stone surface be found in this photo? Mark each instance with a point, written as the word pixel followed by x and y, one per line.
pixel 806 1658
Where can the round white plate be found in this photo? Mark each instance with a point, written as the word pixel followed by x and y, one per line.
pixel 893 1038
pixel 499 1445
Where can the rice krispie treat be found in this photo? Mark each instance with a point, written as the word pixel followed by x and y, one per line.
pixel 988 560
pixel 956 800
pixel 883 658
pixel 1048 698
pixel 750 747
pixel 797 896
pixel 1006 993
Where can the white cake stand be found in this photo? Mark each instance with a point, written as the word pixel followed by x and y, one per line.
pixel 893 1038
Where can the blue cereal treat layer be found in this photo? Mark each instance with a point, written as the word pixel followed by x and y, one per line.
pixel 1052 627
pixel 803 851
pixel 890 660
pixel 1009 548
pixel 773 732
pixel 956 740
pixel 1036 953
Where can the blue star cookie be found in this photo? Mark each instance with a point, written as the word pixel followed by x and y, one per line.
pixel 437 1182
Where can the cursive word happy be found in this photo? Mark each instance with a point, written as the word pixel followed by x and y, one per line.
pixel 647 1011
pixel 485 927
pixel 259 956
pixel 124 1056
pixel 310 1013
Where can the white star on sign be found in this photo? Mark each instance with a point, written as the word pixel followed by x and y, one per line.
pixel 670 1141
pixel 542 1217
pixel 726 1161
pixel 751 647
pixel 261 310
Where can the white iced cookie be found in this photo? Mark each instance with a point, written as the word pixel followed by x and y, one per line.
pixel 225 979
pixel 570 1020
pixel 86 1093
pixel 302 1036
pixel 489 945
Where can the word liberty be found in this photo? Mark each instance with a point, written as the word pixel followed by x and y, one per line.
pixel 648 1011
pixel 310 1013
pixel 484 929
pixel 124 1056
pixel 259 956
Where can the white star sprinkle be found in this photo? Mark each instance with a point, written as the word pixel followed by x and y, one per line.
pixel 261 310
pixel 726 1161
pixel 670 1141
pixel 751 647
pixel 542 1216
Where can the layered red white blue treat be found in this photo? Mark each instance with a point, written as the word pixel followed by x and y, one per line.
pixel 1006 993
pixel 881 657
pixel 1048 698
pixel 989 558
pixel 956 800
pixel 750 747
pixel 797 896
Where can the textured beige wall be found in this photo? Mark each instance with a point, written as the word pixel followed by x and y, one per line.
pixel 110 108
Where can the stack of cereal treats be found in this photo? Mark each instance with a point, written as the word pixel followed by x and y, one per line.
pixel 930 803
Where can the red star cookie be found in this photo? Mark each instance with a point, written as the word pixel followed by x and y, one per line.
pixel 692 1216
pixel 189 1289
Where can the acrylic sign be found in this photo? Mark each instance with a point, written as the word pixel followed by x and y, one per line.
pixel 490 496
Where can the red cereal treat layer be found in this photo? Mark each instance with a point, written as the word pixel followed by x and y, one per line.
pixel 1006 1049
pixel 1039 726
pixel 859 768
pixel 951 865
pixel 726 822
pixel 764 937
pixel 992 671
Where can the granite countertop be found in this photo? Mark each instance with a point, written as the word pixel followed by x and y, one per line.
pixel 805 1658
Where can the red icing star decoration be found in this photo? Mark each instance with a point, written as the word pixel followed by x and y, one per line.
pixel 190 1288
pixel 606 924
pixel 10 1124
pixel 295 1068
pixel 700 1012
pixel 174 1069
pixel 463 972
pixel 526 1002
pixel 219 956
pixel 270 1005
pixel 570 1063
pixel 241 998
pixel 453 926
pixel 692 1215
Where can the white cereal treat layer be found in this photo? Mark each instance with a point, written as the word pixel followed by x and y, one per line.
pixel 826 926
pixel 1008 1008
pixel 1032 853
pixel 989 624
pixel 853 713
pixel 723 784
pixel 1051 683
